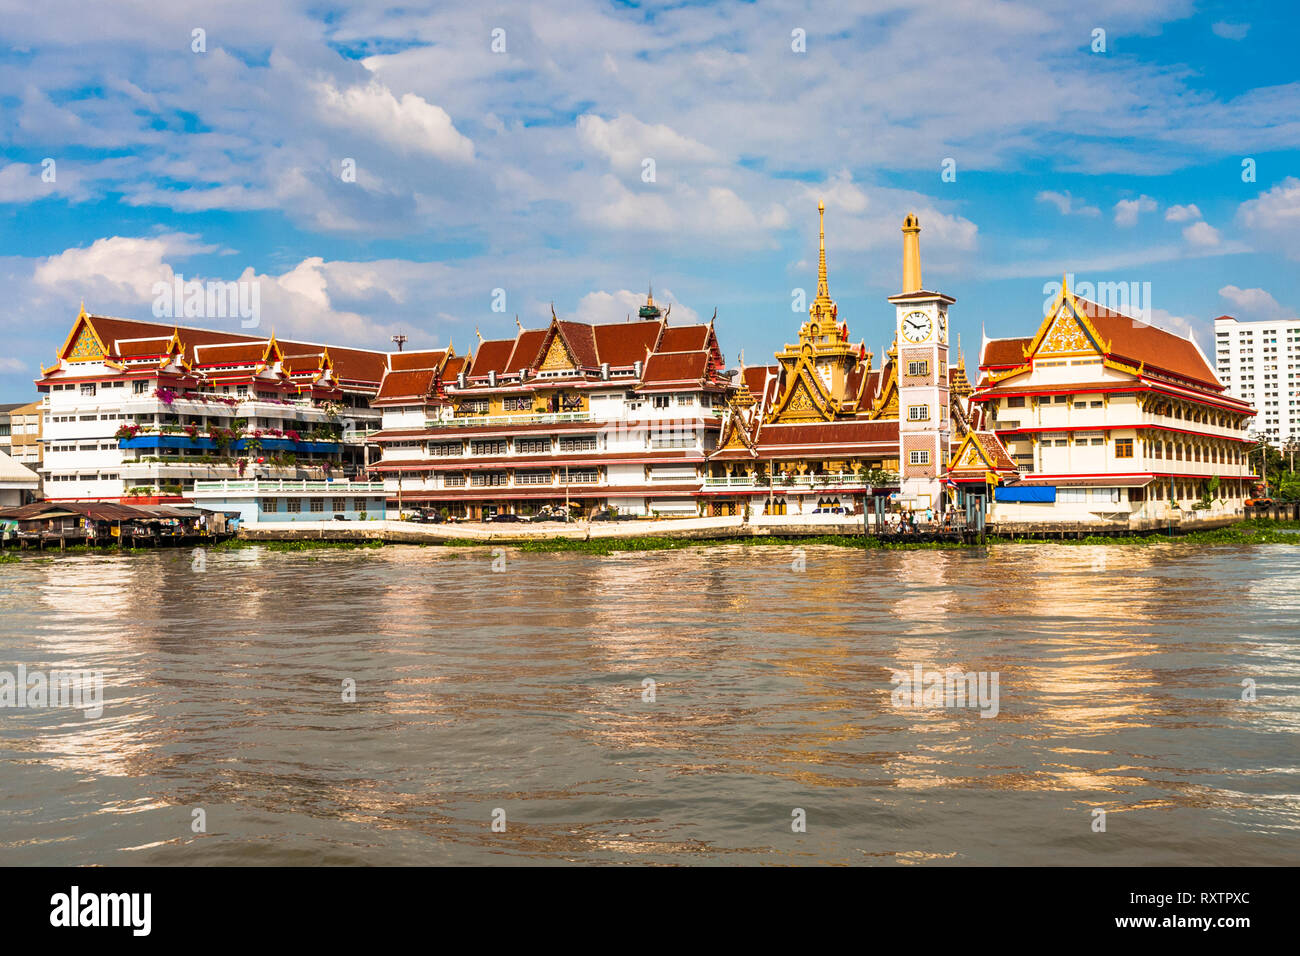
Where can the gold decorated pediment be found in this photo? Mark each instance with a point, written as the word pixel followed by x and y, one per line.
pixel 557 356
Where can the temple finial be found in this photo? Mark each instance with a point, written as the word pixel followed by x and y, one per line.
pixel 823 287
pixel 518 324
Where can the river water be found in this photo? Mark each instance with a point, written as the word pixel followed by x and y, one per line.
pixel 771 733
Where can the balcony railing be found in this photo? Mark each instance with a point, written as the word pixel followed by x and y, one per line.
pixel 273 486
pixel 833 480
pixel 477 421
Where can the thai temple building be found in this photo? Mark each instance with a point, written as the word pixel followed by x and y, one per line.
pixel 825 427
pixel 1103 417
pixel 140 411
pixel 618 415
pixel 1096 419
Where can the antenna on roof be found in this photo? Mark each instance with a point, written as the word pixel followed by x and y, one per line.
pixel 399 340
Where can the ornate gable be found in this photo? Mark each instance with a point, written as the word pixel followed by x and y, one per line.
pixel 83 343
pixel 1066 330
pixel 805 399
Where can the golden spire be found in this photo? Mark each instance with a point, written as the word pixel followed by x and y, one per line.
pixel 823 306
pixel 911 253
pixel 823 288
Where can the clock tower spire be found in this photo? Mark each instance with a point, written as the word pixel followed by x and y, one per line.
pixel 924 427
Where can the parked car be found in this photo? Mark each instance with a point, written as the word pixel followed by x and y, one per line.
pixel 831 510
pixel 504 518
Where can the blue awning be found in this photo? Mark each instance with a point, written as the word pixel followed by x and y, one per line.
pixel 1025 493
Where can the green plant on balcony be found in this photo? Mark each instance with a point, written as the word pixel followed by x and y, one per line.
pixel 787 479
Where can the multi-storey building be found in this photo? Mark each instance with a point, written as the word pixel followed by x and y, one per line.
pixel 607 415
pixel 140 410
pixel 24 440
pixel 1259 362
pixel 1107 417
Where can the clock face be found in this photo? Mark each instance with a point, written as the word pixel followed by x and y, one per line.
pixel 917 326
pixel 943 326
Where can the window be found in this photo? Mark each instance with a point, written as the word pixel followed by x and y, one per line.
pixel 1123 448
pixel 1016 401
pixel 661 401
pixel 532 478
pixel 318 504
pixel 532 446
pixel 1098 441
pixel 451 449
pixel 918 457
pixel 293 505
pixel 139 387
pixel 918 368
pixel 340 504
pixel 580 443
pixel 88 388
pixel 918 413
pixel 270 505
pixel 488 447
pixel 1080 404
pixel 1062 399
pixel 1096 404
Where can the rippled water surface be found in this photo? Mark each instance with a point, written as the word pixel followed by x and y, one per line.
pixel 1120 676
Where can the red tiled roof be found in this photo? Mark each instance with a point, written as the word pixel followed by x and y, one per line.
pixel 582 343
pixel 828 435
pixel 1139 342
pixel 684 338
pixel 356 365
pixel 1000 353
pixel 406 387
pixel 527 351
pixel 406 361
pixel 229 353
pixel 664 368
pixel 491 356
pixel 623 344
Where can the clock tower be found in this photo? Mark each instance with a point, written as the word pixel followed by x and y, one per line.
pixel 924 426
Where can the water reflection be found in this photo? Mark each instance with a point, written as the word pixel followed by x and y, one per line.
pixel 524 688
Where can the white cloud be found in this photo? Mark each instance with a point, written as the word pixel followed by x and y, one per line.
pixel 626 142
pixel 117 268
pixel 1066 204
pixel 1182 213
pixel 1274 218
pixel 1201 234
pixel 411 124
pixel 1231 31
pixel 1256 304
pixel 1127 210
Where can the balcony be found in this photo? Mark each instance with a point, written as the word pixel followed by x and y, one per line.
pixel 204 443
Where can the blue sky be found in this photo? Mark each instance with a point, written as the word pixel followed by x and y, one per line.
pixel 523 170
